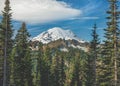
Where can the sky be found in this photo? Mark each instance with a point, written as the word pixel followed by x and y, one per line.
pixel 78 16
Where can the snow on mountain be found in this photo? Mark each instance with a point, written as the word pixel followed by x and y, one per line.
pixel 55 34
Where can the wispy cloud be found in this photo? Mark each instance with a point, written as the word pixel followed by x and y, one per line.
pixel 85 18
pixel 89 11
pixel 91 7
pixel 41 11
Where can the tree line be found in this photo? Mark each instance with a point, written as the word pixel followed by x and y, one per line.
pixel 21 66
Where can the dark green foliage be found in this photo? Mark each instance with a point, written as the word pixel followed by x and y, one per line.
pixel 76 75
pixel 6 33
pixel 92 59
pixel 6 27
pixel 109 74
pixel 89 71
pixel 49 66
pixel 1 56
pixel 22 59
pixel 62 70
pixel 75 68
pixel 58 69
pixel 43 67
pixel 39 65
pixel 54 68
pixel 94 42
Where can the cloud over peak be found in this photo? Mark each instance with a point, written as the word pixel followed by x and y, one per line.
pixel 41 11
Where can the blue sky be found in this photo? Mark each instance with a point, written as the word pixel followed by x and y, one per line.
pixel 82 14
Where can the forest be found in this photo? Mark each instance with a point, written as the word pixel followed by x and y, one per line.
pixel 22 66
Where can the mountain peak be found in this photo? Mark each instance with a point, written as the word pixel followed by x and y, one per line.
pixel 54 34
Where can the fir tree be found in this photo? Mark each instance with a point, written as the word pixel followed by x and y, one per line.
pixel 39 64
pixel 62 69
pixel 1 57
pixel 43 68
pixel 12 66
pixel 22 60
pixel 55 70
pixel 38 55
pixel 58 69
pixel 110 51
pixel 91 72
pixel 5 43
pixel 69 68
pixel 94 54
pixel 76 79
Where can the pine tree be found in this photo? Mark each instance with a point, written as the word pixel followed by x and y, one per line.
pixel 12 66
pixel 39 65
pixel 94 49
pixel 110 50
pixel 77 73
pixel 69 67
pixel 55 70
pixel 5 43
pixel 22 60
pixel 62 69
pixel 1 57
pixel 43 68
pixel 37 56
pixel 91 73
pixel 58 69
pixel 76 80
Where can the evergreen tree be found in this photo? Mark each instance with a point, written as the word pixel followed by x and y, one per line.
pixel 22 60
pixel 62 69
pixel 69 68
pixel 94 54
pixel 76 79
pixel 43 68
pixel 1 57
pixel 68 73
pixel 55 70
pixel 58 69
pixel 91 72
pixel 37 60
pixel 39 65
pixel 5 43
pixel 12 66
pixel 109 75
pixel 75 67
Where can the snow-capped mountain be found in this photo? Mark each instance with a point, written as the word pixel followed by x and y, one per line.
pixel 55 34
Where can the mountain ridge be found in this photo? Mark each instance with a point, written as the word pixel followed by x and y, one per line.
pixel 56 33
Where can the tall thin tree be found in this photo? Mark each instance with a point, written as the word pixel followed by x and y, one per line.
pixel 110 50
pixel 6 40
pixel 22 59
pixel 94 52
pixel 91 66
